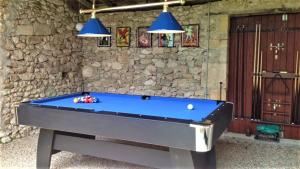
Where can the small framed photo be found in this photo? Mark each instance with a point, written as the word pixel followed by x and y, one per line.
pixel 144 39
pixel 166 40
pixel 123 36
pixel 104 41
pixel 190 38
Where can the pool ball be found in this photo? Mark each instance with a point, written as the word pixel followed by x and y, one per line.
pixel 190 107
pixel 85 100
pixel 95 100
pixel 76 100
pixel 81 100
pixel 89 100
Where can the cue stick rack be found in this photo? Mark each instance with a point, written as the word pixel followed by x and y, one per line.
pixel 294 117
pixel 258 101
pixel 275 110
pixel 259 104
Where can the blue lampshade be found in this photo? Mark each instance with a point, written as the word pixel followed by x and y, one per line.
pixel 165 23
pixel 94 28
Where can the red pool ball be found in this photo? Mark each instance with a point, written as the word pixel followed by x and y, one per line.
pixel 90 100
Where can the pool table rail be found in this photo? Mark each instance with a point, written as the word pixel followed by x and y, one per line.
pixel 198 137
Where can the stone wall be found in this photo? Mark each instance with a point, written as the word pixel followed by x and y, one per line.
pixel 178 71
pixel 154 71
pixel 2 53
pixel 40 56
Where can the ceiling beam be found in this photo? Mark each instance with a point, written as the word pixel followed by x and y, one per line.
pixel 196 2
pixel 108 3
pixel 85 3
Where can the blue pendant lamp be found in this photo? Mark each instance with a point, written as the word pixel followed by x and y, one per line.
pixel 165 23
pixel 94 27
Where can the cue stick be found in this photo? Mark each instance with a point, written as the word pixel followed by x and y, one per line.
pixel 254 72
pixel 82 86
pixel 243 71
pixel 221 84
pixel 258 67
pixel 260 82
pixel 295 88
pixel 236 114
pixel 298 85
pixel 257 72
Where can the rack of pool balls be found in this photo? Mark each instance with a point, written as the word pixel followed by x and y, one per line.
pixel 85 99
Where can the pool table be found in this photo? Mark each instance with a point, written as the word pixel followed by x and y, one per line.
pixel 154 131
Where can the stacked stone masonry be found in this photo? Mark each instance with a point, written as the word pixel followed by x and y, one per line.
pixel 41 56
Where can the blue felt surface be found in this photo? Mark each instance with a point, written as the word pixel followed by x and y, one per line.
pixel 165 107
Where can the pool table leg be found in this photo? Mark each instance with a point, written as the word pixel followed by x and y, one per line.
pixel 44 149
pixel 205 160
pixel 192 160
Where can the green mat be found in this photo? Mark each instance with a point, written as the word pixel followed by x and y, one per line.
pixel 268 129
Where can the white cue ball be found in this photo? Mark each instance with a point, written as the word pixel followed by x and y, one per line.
pixel 190 107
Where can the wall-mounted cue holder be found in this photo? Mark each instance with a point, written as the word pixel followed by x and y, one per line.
pixel 274 104
pixel 279 46
pixel 280 75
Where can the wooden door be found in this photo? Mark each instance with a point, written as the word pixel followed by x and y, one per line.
pixel 263 80
pixel 241 65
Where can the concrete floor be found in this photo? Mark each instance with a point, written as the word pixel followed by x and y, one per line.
pixel 233 152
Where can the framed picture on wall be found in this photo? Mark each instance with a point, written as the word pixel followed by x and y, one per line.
pixel 144 39
pixel 104 41
pixel 190 38
pixel 166 40
pixel 123 36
